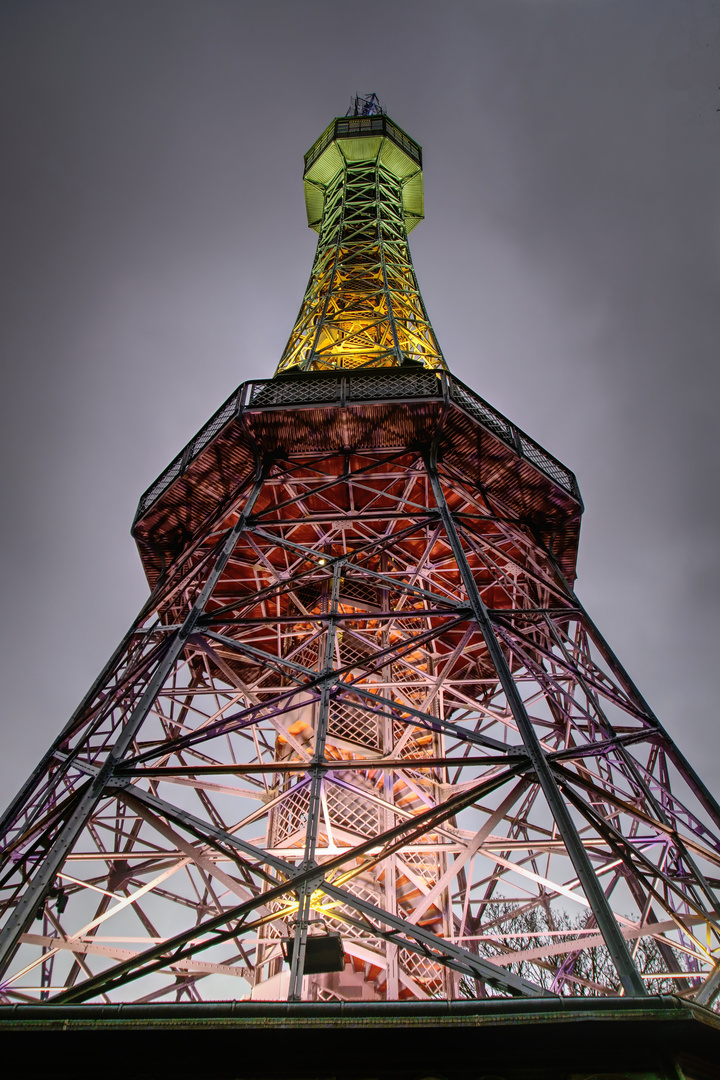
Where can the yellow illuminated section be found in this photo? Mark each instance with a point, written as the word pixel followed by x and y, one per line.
pixel 362 307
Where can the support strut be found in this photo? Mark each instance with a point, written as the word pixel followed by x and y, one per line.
pixel 615 942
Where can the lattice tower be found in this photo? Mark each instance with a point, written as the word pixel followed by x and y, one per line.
pixel 362 699
pixel 362 307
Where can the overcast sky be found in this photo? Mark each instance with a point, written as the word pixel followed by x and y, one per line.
pixel 154 253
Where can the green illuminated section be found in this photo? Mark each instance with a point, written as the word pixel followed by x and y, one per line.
pixel 362 307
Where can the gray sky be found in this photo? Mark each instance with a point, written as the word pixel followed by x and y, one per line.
pixel 154 254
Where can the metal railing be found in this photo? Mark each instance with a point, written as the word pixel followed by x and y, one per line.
pixel 359 127
pixel 187 455
pixel 300 391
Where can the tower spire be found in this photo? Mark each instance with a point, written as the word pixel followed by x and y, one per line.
pixel 362 307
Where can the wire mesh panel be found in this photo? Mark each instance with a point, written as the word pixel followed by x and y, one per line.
pixel 174 471
pixel 294 392
pixel 213 427
pixel 354 725
pixel 163 482
pixel 396 384
pixel 480 410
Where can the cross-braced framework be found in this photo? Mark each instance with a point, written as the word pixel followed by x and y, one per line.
pixel 364 702
pixel 362 741
pixel 362 306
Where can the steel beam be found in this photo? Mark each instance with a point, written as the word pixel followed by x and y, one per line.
pixel 43 878
pixel 617 946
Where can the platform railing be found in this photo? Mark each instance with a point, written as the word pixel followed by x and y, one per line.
pixel 353 127
pixel 336 389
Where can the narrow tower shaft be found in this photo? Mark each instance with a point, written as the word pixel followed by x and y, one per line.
pixel 362 307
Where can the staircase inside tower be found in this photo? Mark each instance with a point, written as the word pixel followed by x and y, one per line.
pixel 358 803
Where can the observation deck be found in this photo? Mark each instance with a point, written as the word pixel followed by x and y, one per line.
pixel 363 138
pixel 389 410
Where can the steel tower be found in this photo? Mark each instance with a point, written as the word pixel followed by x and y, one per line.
pixel 362 741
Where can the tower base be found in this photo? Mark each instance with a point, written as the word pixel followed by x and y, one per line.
pixel 662 1038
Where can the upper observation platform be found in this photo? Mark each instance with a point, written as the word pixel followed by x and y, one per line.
pixel 364 138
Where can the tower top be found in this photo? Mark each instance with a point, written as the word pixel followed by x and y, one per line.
pixel 363 195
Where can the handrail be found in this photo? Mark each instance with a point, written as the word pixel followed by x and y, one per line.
pixel 338 389
pixel 360 127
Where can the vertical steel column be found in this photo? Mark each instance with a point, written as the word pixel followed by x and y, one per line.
pixel 317 772
pixel 392 971
pixel 26 907
pixel 615 942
